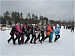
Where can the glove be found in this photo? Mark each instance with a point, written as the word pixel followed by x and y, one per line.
pixel 21 32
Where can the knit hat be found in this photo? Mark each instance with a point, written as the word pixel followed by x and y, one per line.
pixel 13 25
pixel 18 23
pixel 57 25
pixel 39 24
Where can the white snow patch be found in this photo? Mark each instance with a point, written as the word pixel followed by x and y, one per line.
pixel 63 47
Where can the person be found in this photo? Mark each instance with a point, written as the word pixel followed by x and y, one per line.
pixel 42 32
pixel 12 34
pixel 72 28
pixel 19 34
pixel 48 30
pixel 28 30
pixel 24 29
pixel 64 26
pixel 51 33
pixel 39 32
pixel 21 26
pixel 33 32
pixel 57 30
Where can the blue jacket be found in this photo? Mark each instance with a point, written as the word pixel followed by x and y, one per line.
pixel 57 31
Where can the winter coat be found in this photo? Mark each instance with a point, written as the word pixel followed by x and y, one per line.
pixel 13 31
pixel 28 29
pixel 52 32
pixel 48 30
pixel 21 26
pixel 18 30
pixel 57 30
pixel 43 29
pixel 72 28
pixel 39 29
pixel 24 30
pixel 34 30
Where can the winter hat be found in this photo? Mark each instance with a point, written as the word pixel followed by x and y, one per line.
pixel 33 25
pixel 30 25
pixel 39 24
pixel 51 27
pixel 57 25
pixel 13 25
pixel 18 23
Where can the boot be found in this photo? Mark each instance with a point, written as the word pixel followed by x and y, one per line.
pixel 34 43
pixel 35 40
pixel 30 41
pixel 55 39
pixel 8 41
pixel 40 41
pixel 49 39
pixel 25 42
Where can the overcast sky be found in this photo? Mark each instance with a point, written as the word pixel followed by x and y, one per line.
pixel 54 10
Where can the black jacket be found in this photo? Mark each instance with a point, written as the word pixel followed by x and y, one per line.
pixel 12 31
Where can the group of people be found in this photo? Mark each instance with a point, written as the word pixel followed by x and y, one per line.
pixel 35 31
pixel 70 27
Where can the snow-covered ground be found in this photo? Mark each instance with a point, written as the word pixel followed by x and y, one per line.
pixel 63 47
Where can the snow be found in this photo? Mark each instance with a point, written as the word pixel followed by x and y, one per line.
pixel 63 47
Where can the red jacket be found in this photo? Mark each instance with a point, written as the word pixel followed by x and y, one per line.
pixel 48 30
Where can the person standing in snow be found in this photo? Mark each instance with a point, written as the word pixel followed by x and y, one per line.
pixel 19 34
pixel 39 32
pixel 12 34
pixel 72 28
pixel 51 33
pixel 33 33
pixel 24 29
pixel 28 33
pixel 42 32
pixel 57 32
pixel 48 30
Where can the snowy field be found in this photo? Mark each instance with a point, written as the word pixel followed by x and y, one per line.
pixel 63 47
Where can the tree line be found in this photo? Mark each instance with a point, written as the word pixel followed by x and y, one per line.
pixel 17 17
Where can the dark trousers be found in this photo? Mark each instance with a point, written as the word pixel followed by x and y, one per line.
pixel 57 37
pixel 38 37
pixel 28 37
pixel 22 39
pixel 48 36
pixel 18 37
pixel 42 36
pixel 11 38
pixel 33 37
pixel 72 30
